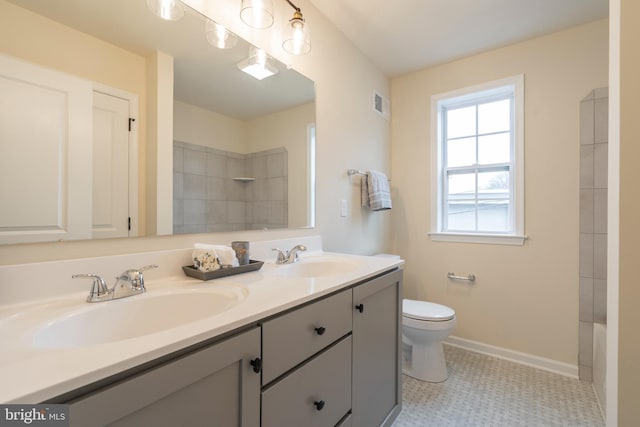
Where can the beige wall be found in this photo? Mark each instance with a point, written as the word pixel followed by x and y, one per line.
pixel 159 153
pixel 199 126
pixel 525 298
pixel 350 135
pixel 629 289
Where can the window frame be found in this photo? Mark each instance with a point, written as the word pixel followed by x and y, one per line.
pixel 497 89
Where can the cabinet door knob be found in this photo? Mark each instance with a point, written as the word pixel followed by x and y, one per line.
pixel 360 307
pixel 257 365
pixel 320 330
pixel 319 404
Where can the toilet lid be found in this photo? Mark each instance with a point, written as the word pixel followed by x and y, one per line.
pixel 423 310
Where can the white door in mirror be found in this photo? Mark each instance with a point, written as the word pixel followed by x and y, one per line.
pixel 45 161
pixel 110 166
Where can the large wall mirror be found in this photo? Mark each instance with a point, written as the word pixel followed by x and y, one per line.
pixel 242 149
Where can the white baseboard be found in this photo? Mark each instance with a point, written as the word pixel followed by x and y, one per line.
pixel 538 362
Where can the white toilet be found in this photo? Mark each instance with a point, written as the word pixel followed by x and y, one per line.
pixel 424 326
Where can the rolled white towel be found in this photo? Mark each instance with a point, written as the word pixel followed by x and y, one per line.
pixel 205 258
pixel 212 257
pixel 227 256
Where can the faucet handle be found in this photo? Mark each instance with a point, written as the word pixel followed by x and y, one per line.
pixel 292 255
pixel 99 287
pixel 281 256
pixel 135 276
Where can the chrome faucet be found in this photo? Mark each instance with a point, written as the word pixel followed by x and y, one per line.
pixel 130 282
pixel 289 257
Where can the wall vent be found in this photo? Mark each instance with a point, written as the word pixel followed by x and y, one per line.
pixel 381 105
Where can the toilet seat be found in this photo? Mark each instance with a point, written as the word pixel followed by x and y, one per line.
pixel 426 311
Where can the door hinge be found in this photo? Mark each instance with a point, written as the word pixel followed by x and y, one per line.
pixel 131 120
pixel 129 223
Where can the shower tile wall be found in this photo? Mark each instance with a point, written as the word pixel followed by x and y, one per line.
pixel 209 197
pixel 593 223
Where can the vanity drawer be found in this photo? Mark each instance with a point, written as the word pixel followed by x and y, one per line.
pixel 290 339
pixel 316 394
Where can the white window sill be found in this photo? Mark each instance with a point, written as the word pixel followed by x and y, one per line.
pixel 491 239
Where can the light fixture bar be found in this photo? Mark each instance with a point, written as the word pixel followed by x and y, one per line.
pixel 297 9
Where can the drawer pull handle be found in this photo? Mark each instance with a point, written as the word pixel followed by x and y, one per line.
pixel 320 330
pixel 257 365
pixel 319 404
pixel 360 307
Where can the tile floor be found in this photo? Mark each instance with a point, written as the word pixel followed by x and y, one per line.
pixel 486 391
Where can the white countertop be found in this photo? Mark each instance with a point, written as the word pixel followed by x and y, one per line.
pixel 32 375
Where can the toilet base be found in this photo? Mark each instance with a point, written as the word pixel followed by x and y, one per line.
pixel 425 362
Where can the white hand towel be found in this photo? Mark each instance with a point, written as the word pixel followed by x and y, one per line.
pixel 205 257
pixel 227 256
pixel 212 257
pixel 375 191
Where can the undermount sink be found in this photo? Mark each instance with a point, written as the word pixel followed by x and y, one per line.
pixel 318 267
pixel 132 317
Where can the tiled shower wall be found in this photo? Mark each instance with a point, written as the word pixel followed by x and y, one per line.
pixel 593 222
pixel 216 190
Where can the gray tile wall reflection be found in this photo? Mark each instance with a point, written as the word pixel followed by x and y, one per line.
pixel 216 190
pixel 594 130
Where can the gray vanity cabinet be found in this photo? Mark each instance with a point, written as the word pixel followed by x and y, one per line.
pixel 318 394
pixel 291 338
pixel 377 343
pixel 334 361
pixel 215 386
pixel 307 364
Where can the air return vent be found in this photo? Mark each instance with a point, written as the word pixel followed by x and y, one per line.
pixel 381 105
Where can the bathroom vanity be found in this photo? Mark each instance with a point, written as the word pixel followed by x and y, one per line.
pixel 333 361
pixel 297 350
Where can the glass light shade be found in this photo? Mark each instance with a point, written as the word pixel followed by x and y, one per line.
pixel 257 13
pixel 170 10
pixel 258 65
pixel 219 36
pixel 297 40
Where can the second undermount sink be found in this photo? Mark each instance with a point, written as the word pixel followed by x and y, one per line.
pixel 320 266
pixel 133 317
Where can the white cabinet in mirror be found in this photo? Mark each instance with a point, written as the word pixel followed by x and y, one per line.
pixel 49 189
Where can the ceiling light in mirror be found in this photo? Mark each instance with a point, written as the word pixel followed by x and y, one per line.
pixel 257 13
pixel 218 36
pixel 258 65
pixel 170 10
pixel 297 41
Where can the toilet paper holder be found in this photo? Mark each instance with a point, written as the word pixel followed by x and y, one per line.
pixel 468 277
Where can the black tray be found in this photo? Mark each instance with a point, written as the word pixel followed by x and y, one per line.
pixel 191 271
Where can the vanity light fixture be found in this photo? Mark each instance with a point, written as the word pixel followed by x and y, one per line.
pixel 257 13
pixel 218 36
pixel 258 65
pixel 170 10
pixel 297 35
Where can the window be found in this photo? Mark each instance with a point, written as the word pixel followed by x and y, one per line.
pixel 478 167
